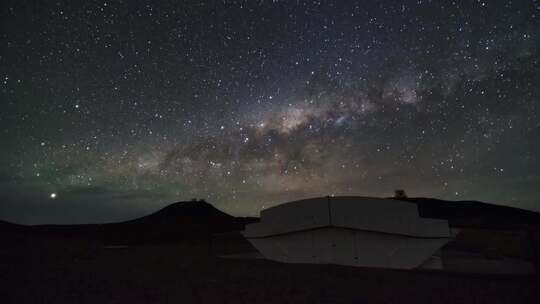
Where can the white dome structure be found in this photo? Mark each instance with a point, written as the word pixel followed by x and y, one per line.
pixel 355 231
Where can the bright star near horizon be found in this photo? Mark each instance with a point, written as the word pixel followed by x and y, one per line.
pixel 52 195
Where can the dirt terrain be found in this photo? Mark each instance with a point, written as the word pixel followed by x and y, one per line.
pixel 70 271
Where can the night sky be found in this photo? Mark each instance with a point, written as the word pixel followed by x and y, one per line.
pixel 114 109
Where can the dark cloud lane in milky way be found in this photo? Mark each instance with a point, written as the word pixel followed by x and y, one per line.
pixel 111 109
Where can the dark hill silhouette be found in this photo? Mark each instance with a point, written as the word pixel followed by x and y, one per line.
pixel 10 227
pixel 474 213
pixel 191 220
pixel 182 220
pixel 191 210
pixel 5 224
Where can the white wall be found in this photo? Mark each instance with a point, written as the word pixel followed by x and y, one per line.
pixel 348 247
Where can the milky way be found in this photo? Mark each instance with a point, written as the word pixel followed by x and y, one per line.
pixel 114 109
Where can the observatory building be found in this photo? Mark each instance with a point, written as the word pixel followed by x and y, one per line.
pixel 355 231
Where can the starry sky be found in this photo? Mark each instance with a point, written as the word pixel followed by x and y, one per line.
pixel 113 109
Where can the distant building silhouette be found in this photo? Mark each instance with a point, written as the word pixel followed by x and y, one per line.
pixel 400 193
pixel 196 200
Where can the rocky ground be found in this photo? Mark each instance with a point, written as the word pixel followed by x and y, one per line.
pixel 38 269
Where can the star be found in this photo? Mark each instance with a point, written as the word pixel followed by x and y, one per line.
pixel 267 102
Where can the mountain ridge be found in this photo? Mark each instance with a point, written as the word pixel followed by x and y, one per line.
pixel 191 219
pixel 473 213
pixel 187 220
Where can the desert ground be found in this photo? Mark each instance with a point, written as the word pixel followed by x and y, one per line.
pixel 67 270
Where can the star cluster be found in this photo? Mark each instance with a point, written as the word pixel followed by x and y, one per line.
pixel 111 109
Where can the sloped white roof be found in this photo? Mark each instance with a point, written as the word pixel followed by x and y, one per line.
pixel 359 213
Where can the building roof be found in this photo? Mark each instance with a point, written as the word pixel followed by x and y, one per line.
pixel 358 213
